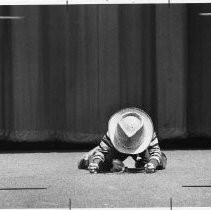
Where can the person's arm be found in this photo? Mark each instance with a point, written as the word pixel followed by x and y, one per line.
pixel 99 155
pixel 155 153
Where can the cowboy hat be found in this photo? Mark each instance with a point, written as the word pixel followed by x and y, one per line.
pixel 130 130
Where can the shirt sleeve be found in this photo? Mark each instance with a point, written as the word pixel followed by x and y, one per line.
pixel 154 151
pixel 103 148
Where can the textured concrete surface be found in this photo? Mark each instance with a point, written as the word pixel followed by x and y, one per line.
pixel 57 173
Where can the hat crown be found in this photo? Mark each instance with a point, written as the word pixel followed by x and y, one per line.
pixel 129 130
pixel 130 125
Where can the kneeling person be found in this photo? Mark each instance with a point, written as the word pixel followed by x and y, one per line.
pixel 130 133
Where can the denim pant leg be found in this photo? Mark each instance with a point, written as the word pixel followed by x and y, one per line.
pixel 141 159
pixel 111 155
pixel 145 156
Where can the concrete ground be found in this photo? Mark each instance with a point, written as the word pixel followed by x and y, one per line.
pixel 53 181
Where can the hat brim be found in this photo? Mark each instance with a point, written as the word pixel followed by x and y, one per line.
pixel 147 130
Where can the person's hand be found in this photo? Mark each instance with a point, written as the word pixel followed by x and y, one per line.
pixel 149 168
pixel 93 168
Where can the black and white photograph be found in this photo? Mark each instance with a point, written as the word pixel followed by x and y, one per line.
pixel 105 105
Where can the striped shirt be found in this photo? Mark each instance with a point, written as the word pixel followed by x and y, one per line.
pixel 106 146
pixel 154 149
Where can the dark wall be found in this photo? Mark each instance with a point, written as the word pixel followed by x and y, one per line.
pixel 199 71
pixel 64 72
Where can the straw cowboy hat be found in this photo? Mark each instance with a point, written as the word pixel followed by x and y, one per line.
pixel 130 130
